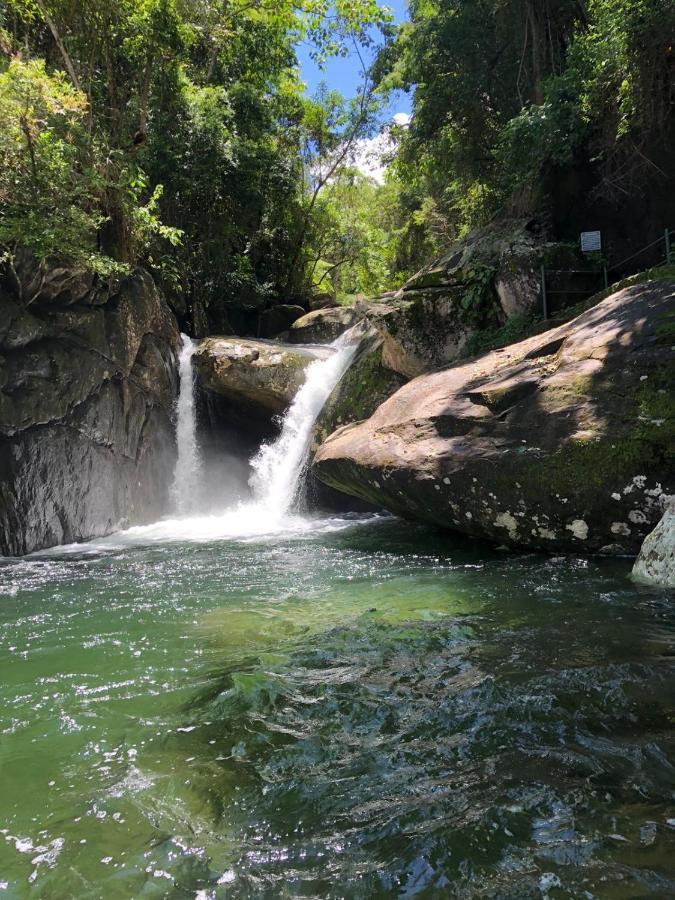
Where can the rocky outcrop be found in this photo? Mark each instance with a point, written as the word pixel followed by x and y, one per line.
pixel 322 300
pixel 561 442
pixel 656 561
pixel 479 282
pixel 322 326
pixel 87 386
pixel 262 375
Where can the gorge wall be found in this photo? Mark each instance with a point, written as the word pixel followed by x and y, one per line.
pixel 87 386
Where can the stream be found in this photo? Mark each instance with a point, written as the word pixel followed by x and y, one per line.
pixel 265 703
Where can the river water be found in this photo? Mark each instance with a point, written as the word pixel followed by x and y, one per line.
pixel 364 709
pixel 265 704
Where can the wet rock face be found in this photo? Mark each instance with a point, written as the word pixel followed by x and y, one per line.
pixel 562 442
pixel 262 375
pixel 656 561
pixel 366 384
pixel 87 387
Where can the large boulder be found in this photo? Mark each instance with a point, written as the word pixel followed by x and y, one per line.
pixel 562 442
pixel 322 326
pixel 656 561
pixel 87 389
pixel 261 375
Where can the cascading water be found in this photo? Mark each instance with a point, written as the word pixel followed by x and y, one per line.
pixel 186 480
pixel 278 467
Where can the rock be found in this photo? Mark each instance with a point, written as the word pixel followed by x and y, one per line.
pixel 51 281
pixel 420 330
pixel 656 561
pixel 562 442
pixel 278 319
pixel 87 387
pixel 366 384
pixel 481 281
pixel 261 374
pixel 322 326
pixel 322 301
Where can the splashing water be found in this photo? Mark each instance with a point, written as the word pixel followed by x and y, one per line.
pixel 186 480
pixel 278 467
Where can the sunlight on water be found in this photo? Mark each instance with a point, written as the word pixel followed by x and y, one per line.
pixel 259 703
pixel 364 711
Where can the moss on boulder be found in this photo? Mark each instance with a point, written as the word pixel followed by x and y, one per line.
pixel 564 441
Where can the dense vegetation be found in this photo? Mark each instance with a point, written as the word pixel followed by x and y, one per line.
pixel 178 134
pixel 172 133
pixel 554 107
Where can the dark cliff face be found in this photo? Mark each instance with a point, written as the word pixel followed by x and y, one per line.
pixel 87 388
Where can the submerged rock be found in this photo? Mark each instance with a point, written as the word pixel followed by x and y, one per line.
pixel 322 326
pixel 656 561
pixel 87 386
pixel 263 375
pixel 561 442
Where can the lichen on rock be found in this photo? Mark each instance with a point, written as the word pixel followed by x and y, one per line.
pixel 563 441
pixel 656 561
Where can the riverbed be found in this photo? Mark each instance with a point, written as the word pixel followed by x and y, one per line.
pixel 351 708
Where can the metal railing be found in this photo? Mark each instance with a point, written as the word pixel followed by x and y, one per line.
pixel 667 240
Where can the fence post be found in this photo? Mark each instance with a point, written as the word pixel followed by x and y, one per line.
pixel 667 246
pixel 605 276
pixel 544 299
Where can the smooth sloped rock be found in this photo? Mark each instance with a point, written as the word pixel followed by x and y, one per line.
pixel 87 387
pixel 322 326
pixel 656 561
pixel 261 374
pixel 561 442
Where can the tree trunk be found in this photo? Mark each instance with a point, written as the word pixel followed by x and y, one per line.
pixel 70 68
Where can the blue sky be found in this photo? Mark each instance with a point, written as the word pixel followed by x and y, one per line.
pixel 343 74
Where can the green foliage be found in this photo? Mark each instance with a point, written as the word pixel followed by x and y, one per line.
pixel 511 93
pixel 48 188
pixel 477 292
pixel 170 134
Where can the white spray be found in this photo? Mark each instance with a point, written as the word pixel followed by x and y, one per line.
pixel 186 478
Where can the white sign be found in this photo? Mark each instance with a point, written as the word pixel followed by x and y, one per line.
pixel 591 241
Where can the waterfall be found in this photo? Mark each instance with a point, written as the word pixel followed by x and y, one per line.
pixel 278 467
pixel 186 480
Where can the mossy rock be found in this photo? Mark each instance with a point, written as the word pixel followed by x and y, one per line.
pixel 562 442
pixel 365 386
pixel 263 375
